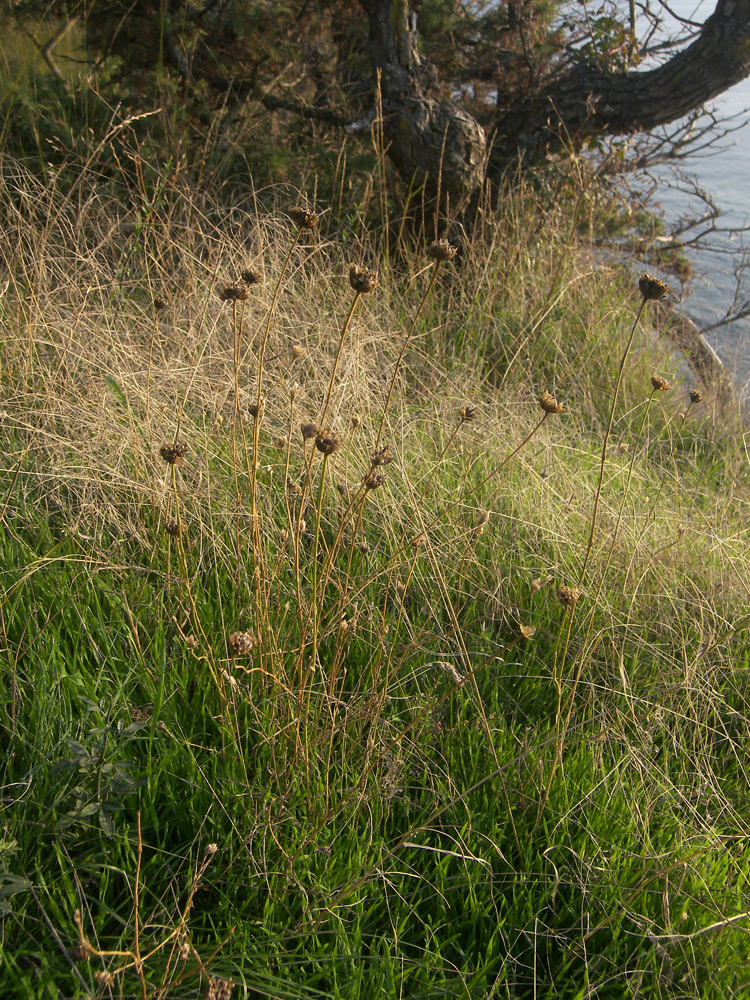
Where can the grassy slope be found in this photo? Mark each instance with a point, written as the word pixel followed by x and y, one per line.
pixel 563 815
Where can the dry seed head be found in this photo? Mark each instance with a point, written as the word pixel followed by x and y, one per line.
pixel 457 678
pixel 254 409
pixel 218 989
pixel 652 288
pixel 174 453
pixel 536 585
pixel 356 421
pixel 327 441
pixel 382 457
pixel 527 631
pixel 159 303
pixel 660 383
pixel 362 279
pixel 236 291
pixel 280 443
pixel 467 414
pixel 568 596
pixel 103 977
pixel 209 850
pixel 172 528
pixel 251 277
pixel 297 351
pixel 308 431
pixel 696 396
pixel 242 643
pixel 302 218
pixel 81 952
pixel 441 250
pixel 549 404
pixel 293 490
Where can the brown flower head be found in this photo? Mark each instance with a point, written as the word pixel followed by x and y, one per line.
pixel 81 952
pixel 302 218
pixel 327 441
pixel 481 523
pixel 549 404
pixel 660 383
pixel 254 409
pixel 467 414
pixel 652 288
pixel 293 490
pixel 382 457
pixel 696 396
pixel 174 453
pixel 308 431
pixel 362 279
pixel 536 585
pixel 251 277
pixel 172 528
pixel 242 643
pixel 373 480
pixel 297 351
pixel 234 292
pixel 159 303
pixel 218 989
pixel 441 250
pixel 568 596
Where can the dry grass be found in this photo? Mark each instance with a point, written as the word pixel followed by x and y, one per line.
pixel 395 655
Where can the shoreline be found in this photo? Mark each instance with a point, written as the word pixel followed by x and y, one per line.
pixel 685 335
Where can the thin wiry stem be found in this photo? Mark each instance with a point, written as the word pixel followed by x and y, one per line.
pixel 347 322
pixel 254 519
pixel 605 443
pixel 405 344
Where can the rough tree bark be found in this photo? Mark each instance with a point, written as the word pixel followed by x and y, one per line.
pixel 439 145
pixel 445 145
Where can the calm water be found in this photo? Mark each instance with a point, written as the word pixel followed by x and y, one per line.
pixel 725 176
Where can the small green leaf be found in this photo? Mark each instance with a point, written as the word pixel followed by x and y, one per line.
pixel 116 389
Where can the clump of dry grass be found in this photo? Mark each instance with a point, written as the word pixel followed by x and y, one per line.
pixel 365 499
pixel 99 374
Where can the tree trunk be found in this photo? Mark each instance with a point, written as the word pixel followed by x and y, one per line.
pixel 438 145
pixel 445 146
